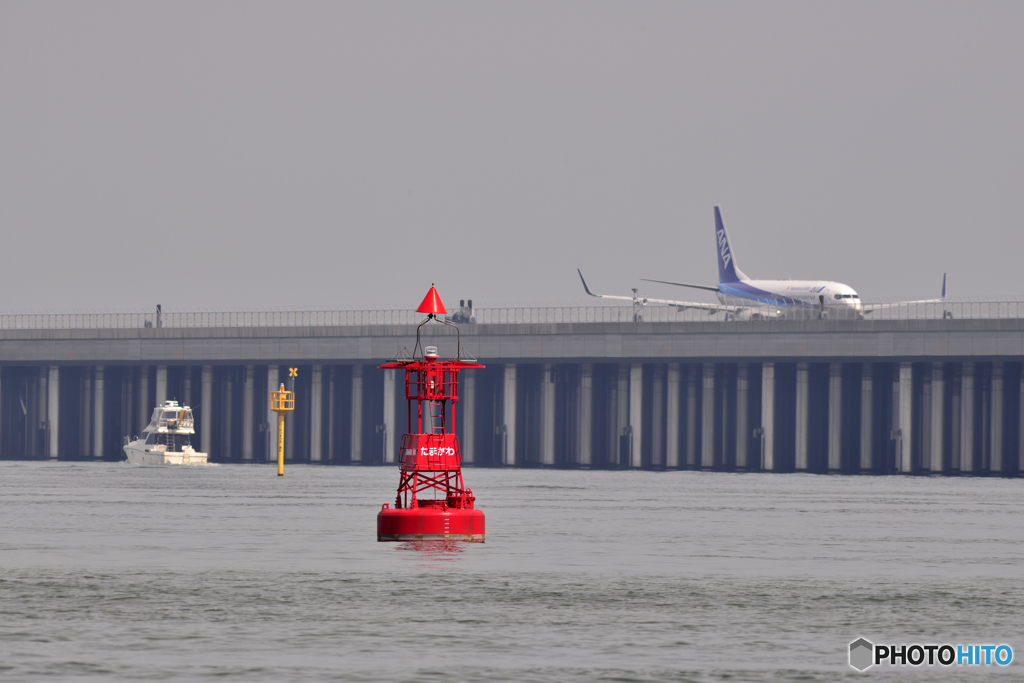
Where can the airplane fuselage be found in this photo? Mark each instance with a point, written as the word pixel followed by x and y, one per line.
pixel 791 297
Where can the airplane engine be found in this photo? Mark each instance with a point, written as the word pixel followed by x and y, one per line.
pixel 762 313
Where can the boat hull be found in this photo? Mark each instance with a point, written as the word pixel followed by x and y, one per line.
pixel 143 456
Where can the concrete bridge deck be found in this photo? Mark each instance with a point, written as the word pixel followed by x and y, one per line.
pixel 848 340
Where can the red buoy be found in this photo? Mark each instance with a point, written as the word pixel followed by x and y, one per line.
pixel 432 502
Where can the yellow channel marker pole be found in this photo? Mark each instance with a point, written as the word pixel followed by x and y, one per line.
pixel 280 444
pixel 281 402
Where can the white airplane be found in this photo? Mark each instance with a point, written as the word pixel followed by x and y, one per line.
pixel 741 298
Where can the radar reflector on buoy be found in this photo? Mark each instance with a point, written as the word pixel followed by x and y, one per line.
pixel 432 303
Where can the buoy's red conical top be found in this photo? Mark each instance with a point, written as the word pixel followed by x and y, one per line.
pixel 432 303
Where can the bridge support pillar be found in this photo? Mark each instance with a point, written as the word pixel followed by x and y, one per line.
pixel 906 415
pixel 145 407
pixel 98 398
pixel 85 414
pixel 509 424
pixel 707 426
pixel 620 407
pixel 802 416
pixel 935 464
pixel 968 455
pixel 53 410
pixel 835 417
pixel 586 415
pixel 270 430
pixel 768 417
pixel 227 422
pixel 206 410
pixel 952 465
pixel 636 413
pixel 390 447
pixel 547 416
pixel 1020 437
pixel 35 394
pixel 657 417
pixel 356 442
pixel 37 413
pixel 996 440
pixel 161 384
pixel 186 386
pixel 867 391
pixel 742 422
pixel 316 414
pixel 925 426
pixel 331 371
pixel 672 417
pixel 692 378
pixel 248 399
pixel 289 429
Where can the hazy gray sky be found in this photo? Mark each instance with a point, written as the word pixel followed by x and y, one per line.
pixel 190 152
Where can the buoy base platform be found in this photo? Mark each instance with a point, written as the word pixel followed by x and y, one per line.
pixel 430 523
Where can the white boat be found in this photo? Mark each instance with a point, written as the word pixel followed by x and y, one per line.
pixel 166 441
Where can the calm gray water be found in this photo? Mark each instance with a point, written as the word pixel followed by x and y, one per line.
pixel 120 572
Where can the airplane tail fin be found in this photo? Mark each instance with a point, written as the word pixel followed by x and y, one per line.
pixel 727 270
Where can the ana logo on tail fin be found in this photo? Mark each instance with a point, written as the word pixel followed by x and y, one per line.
pixel 727 270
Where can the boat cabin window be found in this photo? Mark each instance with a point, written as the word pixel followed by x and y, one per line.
pixel 151 439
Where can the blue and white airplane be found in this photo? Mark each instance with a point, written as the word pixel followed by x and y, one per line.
pixel 742 298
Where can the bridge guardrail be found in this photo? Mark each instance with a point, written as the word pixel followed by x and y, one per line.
pixel 963 308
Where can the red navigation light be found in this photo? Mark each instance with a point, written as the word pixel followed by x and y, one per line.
pixel 432 303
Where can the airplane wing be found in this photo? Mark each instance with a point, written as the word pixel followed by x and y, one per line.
pixel 899 304
pixel 681 305
pixel 682 284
